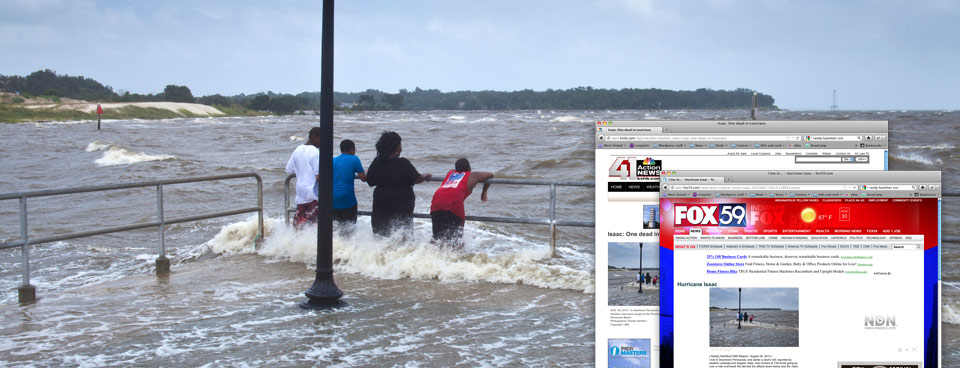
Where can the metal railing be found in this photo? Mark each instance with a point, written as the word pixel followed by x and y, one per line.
pixel 552 221
pixel 27 292
pixel 620 281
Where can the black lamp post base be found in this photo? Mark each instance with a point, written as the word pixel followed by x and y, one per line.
pixel 324 293
pixel 322 304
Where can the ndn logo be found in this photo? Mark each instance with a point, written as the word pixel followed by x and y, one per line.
pixel 878 322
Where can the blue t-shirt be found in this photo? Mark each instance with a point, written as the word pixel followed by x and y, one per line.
pixel 344 166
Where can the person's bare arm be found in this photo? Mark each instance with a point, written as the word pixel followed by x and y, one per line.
pixel 362 176
pixel 422 178
pixel 477 177
pixel 483 193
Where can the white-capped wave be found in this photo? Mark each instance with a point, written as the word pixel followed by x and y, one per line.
pixel 456 117
pixel 567 119
pixel 941 146
pixel 917 157
pixel 117 155
pixel 49 124
pixel 97 146
pixel 416 259
pixel 951 311
pixel 294 138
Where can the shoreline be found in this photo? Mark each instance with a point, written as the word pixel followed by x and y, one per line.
pixel 91 107
pixel 18 113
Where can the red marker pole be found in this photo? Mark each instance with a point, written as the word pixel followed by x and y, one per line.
pixel 99 112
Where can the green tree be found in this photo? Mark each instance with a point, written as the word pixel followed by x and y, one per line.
pixel 175 93
pixel 260 102
pixel 283 104
pixel 216 99
pixel 366 101
pixel 395 101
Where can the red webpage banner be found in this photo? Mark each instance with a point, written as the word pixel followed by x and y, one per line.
pixel 799 216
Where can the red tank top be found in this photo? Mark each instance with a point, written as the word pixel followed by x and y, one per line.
pixel 452 192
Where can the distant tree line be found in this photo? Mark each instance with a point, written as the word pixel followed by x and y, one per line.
pixel 49 83
pixel 579 98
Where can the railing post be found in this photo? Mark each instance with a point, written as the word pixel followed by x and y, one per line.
pixel 25 293
pixel 163 263
pixel 553 220
pixel 260 233
pixel 286 200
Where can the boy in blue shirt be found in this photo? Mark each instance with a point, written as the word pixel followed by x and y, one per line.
pixel 344 197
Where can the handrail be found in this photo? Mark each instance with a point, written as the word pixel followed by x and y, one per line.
pixel 27 292
pixel 534 221
pixel 552 221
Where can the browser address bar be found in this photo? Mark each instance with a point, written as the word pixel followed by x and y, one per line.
pixel 760 187
pixel 704 138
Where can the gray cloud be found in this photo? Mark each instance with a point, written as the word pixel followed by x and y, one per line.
pixel 890 55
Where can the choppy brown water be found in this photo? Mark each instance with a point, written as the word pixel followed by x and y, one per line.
pixel 504 302
pixel 769 328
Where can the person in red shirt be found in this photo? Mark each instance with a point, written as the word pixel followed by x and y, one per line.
pixel 446 210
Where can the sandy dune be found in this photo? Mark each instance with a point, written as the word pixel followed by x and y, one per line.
pixel 193 108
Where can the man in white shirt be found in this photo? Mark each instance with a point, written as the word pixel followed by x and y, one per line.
pixel 305 163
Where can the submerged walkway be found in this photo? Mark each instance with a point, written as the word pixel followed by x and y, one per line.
pixel 242 310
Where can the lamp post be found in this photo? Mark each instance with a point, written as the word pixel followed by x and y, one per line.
pixel 641 268
pixel 324 292
pixel 739 306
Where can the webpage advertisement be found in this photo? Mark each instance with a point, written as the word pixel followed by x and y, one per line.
pixel 630 156
pixel 800 269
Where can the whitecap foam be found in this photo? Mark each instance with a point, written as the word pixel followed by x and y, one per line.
pixel 393 259
pixel 917 157
pixel 117 155
pixel 951 310
pixel 941 146
pixel 294 138
pixel 97 146
pixel 456 117
pixel 567 119
pixel 45 124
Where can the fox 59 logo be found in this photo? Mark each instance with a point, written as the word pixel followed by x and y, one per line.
pixel 721 214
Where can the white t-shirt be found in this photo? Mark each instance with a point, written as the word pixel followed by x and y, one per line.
pixel 305 162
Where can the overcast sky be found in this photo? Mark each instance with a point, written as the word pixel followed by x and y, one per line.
pixel 783 298
pixel 876 54
pixel 627 255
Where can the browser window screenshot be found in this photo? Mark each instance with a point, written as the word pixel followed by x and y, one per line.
pixel 800 268
pixel 630 157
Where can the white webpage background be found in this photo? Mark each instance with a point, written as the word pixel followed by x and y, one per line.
pixel 832 306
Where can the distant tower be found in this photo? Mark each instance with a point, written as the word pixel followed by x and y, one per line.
pixel 834 106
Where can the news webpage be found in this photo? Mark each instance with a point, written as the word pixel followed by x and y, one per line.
pixel 630 157
pixel 800 269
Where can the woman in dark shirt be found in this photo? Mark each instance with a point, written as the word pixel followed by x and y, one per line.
pixel 394 177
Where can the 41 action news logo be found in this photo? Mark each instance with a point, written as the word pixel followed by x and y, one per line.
pixel 627 168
